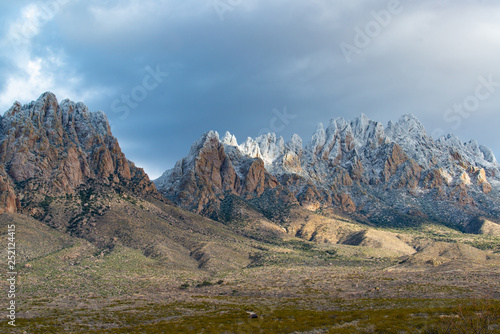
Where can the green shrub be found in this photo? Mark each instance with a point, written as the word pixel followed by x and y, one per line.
pixel 204 283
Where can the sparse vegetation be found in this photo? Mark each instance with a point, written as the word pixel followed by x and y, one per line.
pixel 290 315
pixel 272 207
pixel 470 317
pixel 160 268
pixel 46 202
pixel 204 283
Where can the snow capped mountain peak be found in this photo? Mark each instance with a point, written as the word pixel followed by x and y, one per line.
pixel 472 152
pixel 266 147
pixel 338 125
pixel 409 133
pixel 67 116
pixel 46 97
pixel 407 126
pixel 345 140
pixel 16 107
pixel 488 154
pixel 229 139
pixel 356 165
pixel 318 139
pixel 251 148
pixel 473 147
pixel 363 119
pixel 206 139
pixel 366 131
pixel 295 144
pixel 270 147
pixel 360 124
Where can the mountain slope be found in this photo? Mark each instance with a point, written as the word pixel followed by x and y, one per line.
pixel 395 176
pixel 66 184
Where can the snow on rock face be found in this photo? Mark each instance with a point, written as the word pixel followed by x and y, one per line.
pixel 408 127
pixel 207 139
pixel 410 134
pixel 270 147
pixel 229 139
pixel 318 140
pixel 361 164
pixel 215 168
pixel 488 154
pixel 251 148
pixel 295 144
pixel 472 153
pixel 266 147
pixel 368 132
pixel 361 142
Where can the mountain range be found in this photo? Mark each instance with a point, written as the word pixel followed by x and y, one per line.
pixel 361 218
pixel 384 176
pixel 395 175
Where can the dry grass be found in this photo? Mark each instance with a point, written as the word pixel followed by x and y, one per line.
pixel 472 317
pixel 135 266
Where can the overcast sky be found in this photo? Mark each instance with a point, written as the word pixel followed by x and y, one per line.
pixel 166 71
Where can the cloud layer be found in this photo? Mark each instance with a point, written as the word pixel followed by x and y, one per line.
pixel 233 65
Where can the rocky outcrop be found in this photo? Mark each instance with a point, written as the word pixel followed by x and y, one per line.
pixel 9 202
pixel 394 175
pixel 207 175
pixel 345 202
pixel 50 149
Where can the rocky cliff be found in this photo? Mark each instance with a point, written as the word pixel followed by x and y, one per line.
pixel 395 175
pixel 212 171
pixel 51 149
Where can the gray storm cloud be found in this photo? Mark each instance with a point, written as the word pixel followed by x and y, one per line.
pixel 232 64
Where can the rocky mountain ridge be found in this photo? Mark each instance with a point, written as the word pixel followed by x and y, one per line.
pixel 52 149
pixel 393 175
